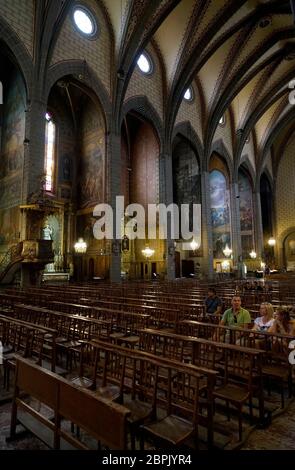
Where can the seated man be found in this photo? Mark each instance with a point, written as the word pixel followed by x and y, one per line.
pixel 236 315
pixel 258 287
pixel 213 303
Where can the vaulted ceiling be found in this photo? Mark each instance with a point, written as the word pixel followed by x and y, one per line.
pixel 240 54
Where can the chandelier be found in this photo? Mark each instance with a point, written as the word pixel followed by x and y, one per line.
pixel 194 245
pixel 253 254
pixel 80 246
pixel 148 252
pixel 227 251
pixel 271 241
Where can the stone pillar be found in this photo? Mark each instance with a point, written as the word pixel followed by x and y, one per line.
pixel 236 230
pixel 113 146
pixel 34 144
pixel 207 240
pixel 33 166
pixel 258 224
pixel 166 197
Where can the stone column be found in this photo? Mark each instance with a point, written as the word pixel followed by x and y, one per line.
pixel 258 224
pixel 34 145
pixel 236 229
pixel 113 146
pixel 166 197
pixel 207 240
pixel 33 161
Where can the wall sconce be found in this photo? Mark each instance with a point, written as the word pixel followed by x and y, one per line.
pixel 271 241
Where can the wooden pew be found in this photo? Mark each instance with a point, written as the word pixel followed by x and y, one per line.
pixel 137 378
pixel 101 419
pixel 240 367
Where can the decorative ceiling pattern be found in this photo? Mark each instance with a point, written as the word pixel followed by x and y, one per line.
pixel 239 53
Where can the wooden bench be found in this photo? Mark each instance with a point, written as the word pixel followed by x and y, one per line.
pixel 101 419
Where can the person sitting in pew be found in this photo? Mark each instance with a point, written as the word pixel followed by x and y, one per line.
pixel 213 303
pixel 266 318
pixel 258 287
pixel 236 315
pixel 283 324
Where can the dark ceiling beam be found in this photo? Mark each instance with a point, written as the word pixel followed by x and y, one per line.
pixel 272 135
pixel 262 106
pixel 133 44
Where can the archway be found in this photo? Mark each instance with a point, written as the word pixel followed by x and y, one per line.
pixel 139 185
pixel 78 170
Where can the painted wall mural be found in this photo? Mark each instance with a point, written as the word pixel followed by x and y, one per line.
pixel 91 162
pixel 11 160
pixel 289 252
pixel 246 214
pixel 9 226
pixel 220 213
pixel 186 177
pixel 12 138
pixel 13 128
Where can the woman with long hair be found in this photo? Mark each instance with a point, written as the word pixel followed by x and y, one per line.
pixel 266 318
pixel 283 324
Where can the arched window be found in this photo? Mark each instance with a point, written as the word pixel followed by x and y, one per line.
pixel 50 133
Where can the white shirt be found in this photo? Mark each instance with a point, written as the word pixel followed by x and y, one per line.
pixel 263 326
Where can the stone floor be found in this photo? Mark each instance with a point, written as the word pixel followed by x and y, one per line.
pixel 280 435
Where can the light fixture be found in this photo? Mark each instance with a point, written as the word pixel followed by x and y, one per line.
pixel 253 254
pixel 148 252
pixel 262 264
pixel 194 245
pixel 80 246
pixel 271 241
pixel 227 251
pixel 225 265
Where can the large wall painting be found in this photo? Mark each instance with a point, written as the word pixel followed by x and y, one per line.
pixel 220 213
pixel 12 138
pixel 186 178
pixel 91 162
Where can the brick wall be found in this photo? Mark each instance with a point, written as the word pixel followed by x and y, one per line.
pixel 144 180
pixel 285 191
pixel 148 85
pixel 191 111
pixel 249 151
pixel 224 133
pixel 20 15
pixel 97 53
